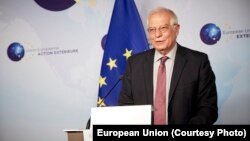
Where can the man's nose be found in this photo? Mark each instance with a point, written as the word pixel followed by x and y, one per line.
pixel 158 33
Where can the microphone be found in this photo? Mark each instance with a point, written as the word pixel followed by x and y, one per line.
pixel 109 92
pixel 105 96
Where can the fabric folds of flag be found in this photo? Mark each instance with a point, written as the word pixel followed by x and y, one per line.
pixel 126 37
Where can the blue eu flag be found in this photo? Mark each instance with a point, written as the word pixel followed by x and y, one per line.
pixel 126 37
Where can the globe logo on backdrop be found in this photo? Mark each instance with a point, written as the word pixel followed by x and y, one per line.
pixel 15 51
pixel 210 34
pixel 103 42
pixel 55 5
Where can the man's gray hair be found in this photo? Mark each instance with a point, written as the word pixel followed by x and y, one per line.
pixel 174 19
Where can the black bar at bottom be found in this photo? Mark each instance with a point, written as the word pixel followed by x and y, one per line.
pixel 163 132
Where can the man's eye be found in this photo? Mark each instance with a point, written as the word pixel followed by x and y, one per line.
pixel 164 28
pixel 151 30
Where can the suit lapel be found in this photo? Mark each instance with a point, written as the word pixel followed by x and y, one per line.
pixel 148 72
pixel 180 61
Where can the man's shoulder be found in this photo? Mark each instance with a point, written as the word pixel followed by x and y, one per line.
pixel 190 52
pixel 139 58
pixel 143 55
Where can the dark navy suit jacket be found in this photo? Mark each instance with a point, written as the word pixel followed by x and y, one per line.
pixel 192 96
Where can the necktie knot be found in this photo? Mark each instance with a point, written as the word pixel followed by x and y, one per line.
pixel 163 59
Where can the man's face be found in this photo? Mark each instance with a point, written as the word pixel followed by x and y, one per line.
pixel 162 34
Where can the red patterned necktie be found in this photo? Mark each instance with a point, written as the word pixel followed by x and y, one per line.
pixel 160 97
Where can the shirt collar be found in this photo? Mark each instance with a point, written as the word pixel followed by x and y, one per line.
pixel 171 54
